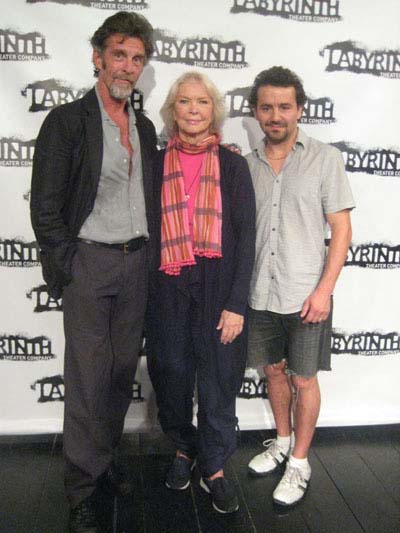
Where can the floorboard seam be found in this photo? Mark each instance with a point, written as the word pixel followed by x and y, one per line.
pixel 376 477
pixel 338 489
pixel 244 500
pixel 36 516
pixel 195 509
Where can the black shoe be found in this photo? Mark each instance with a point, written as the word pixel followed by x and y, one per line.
pixel 180 473
pixel 82 518
pixel 115 481
pixel 223 494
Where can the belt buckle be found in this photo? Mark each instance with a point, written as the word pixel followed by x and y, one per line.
pixel 126 248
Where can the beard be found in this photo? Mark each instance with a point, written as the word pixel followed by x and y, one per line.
pixel 120 93
pixel 278 136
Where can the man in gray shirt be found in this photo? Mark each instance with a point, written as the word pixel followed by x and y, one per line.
pixel 301 191
pixel 91 210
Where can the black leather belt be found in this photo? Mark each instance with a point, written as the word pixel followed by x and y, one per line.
pixel 131 246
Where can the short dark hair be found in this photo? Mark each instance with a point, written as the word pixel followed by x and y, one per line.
pixel 278 77
pixel 129 24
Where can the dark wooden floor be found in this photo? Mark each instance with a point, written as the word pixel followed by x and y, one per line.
pixel 355 487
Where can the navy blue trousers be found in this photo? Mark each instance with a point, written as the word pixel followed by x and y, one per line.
pixel 180 356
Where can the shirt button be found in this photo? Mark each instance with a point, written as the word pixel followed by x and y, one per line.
pixel 272 253
pixel 116 138
pixel 272 277
pixel 125 160
pixel 277 181
pixel 137 232
pixel 273 229
pixel 274 205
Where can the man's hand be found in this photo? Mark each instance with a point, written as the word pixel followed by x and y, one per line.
pixel 316 307
pixel 231 325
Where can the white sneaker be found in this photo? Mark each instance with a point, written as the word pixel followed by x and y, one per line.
pixel 293 486
pixel 266 462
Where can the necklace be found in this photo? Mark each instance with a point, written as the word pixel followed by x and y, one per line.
pixel 187 191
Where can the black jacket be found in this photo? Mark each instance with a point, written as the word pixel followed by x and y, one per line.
pixel 66 171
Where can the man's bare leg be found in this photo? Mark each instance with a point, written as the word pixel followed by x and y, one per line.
pixel 306 408
pixel 280 397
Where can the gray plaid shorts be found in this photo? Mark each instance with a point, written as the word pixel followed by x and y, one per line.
pixel 273 337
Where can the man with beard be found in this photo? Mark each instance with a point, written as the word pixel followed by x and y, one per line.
pixel 92 215
pixel 301 190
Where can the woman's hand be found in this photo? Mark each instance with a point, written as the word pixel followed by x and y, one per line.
pixel 231 325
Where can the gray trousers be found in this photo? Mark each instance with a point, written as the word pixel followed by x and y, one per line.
pixel 104 310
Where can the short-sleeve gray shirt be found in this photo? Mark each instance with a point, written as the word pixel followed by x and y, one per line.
pixel 290 221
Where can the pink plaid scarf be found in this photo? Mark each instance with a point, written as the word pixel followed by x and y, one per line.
pixel 177 248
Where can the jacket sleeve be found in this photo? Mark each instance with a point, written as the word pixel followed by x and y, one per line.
pixel 50 180
pixel 243 210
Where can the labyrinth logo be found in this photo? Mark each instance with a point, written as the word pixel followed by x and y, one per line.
pixel 374 255
pixel 301 10
pixel 253 387
pixel 16 46
pixel 51 389
pixel 137 100
pixel 198 52
pixel 373 161
pixel 125 5
pixel 137 396
pixel 43 301
pixel 19 348
pixel 47 94
pixel 365 343
pixel 16 152
pixel 316 110
pixel 15 253
pixel 237 102
pixel 348 55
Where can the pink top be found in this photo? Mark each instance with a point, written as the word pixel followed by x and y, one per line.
pixel 191 167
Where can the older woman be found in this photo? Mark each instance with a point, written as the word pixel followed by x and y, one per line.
pixel 196 331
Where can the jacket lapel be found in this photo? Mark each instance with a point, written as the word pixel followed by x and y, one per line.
pixel 94 136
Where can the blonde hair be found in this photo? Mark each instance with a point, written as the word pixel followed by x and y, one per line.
pixel 167 110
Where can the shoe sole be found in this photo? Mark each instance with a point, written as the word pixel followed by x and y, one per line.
pixel 187 484
pixel 177 488
pixel 222 511
pixel 254 473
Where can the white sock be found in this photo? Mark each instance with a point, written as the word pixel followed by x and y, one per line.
pixel 283 442
pixel 303 464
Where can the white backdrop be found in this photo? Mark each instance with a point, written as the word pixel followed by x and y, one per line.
pixel 348 55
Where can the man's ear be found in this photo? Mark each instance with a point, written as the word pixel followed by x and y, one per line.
pixel 97 59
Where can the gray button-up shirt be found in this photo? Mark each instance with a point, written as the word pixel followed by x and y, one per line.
pixel 119 212
pixel 290 222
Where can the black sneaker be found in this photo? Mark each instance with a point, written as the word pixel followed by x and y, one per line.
pixel 223 494
pixel 82 518
pixel 180 473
